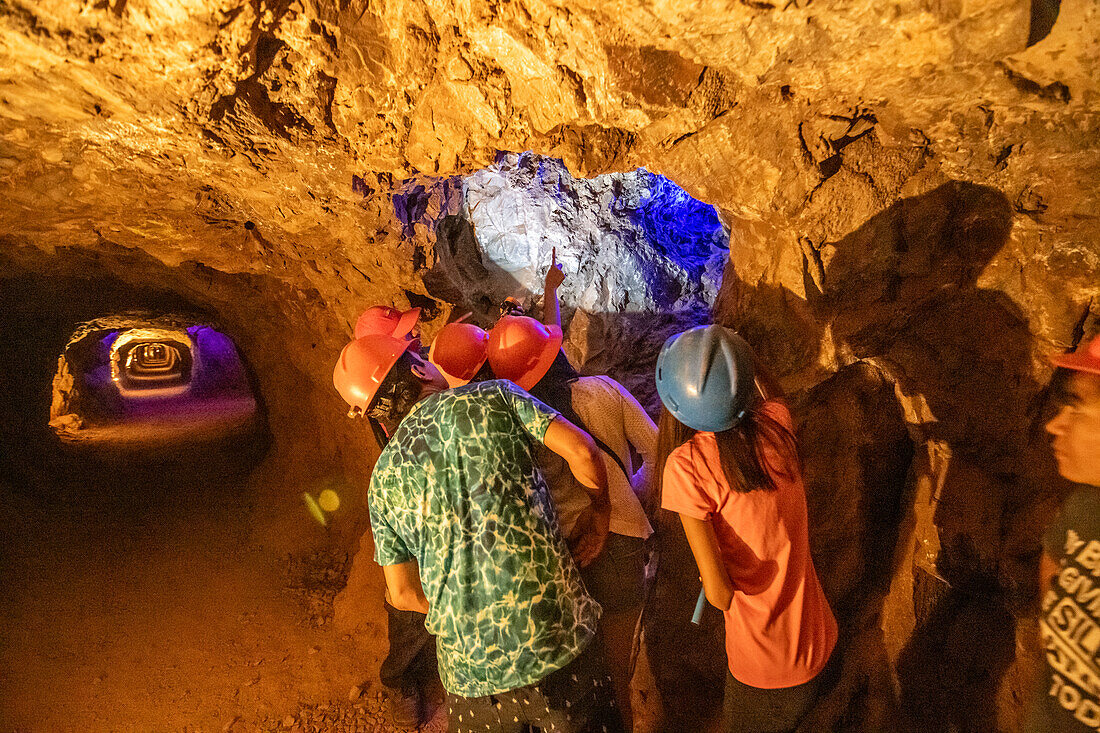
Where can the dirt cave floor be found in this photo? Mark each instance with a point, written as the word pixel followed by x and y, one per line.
pixel 147 597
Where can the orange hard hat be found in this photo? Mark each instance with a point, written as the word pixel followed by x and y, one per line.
pixel 1085 359
pixel 522 349
pixel 388 321
pixel 364 364
pixel 459 350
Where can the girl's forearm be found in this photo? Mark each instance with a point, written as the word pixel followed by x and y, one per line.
pixel 551 309
pixel 708 557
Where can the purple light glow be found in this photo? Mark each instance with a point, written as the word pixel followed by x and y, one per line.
pixel 195 382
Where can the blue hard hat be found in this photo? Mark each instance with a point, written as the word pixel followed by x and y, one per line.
pixel 705 378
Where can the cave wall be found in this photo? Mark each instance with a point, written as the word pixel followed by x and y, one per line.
pixel 641 259
pixel 909 189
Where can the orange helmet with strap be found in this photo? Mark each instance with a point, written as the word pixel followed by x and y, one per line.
pixel 388 321
pixel 522 349
pixel 363 366
pixel 459 350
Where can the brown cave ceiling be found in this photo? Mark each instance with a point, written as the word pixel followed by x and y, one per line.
pixel 167 125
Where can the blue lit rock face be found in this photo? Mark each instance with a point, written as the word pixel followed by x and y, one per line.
pixel 642 259
pixel 628 242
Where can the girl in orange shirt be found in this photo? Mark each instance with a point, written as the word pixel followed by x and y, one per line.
pixel 735 479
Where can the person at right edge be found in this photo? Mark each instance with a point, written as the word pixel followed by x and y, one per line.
pixel 736 482
pixel 1069 627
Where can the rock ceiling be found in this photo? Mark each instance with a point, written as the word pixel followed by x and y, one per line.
pixel 228 133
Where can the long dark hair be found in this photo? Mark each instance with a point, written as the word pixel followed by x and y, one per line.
pixel 740 449
pixel 671 434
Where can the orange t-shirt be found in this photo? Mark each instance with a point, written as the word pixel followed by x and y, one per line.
pixel 780 630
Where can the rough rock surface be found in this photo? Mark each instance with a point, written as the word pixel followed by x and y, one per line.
pixel 641 258
pixel 908 185
pixel 627 242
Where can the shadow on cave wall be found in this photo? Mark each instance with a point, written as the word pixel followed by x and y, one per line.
pixel 1044 13
pixel 903 290
pixel 459 266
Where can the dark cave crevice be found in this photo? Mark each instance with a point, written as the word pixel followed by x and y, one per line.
pixel 1044 13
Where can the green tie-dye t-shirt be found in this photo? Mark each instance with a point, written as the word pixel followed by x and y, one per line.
pixel 457 490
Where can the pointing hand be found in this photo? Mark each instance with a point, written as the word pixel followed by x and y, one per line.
pixel 554 276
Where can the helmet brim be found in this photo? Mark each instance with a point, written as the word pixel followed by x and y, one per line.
pixel 1077 362
pixel 406 323
pixel 355 383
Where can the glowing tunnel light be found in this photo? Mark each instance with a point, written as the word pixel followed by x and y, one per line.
pixel 149 362
pixel 142 379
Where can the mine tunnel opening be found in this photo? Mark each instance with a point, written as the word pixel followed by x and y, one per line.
pixel 161 427
pixel 137 555
pixel 146 424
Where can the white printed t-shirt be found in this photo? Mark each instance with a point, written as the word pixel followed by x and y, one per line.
pixel 612 415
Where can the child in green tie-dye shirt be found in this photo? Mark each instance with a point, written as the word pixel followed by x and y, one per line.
pixel 466 532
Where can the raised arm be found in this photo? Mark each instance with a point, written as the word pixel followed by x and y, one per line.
pixel 551 309
pixel 580 452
